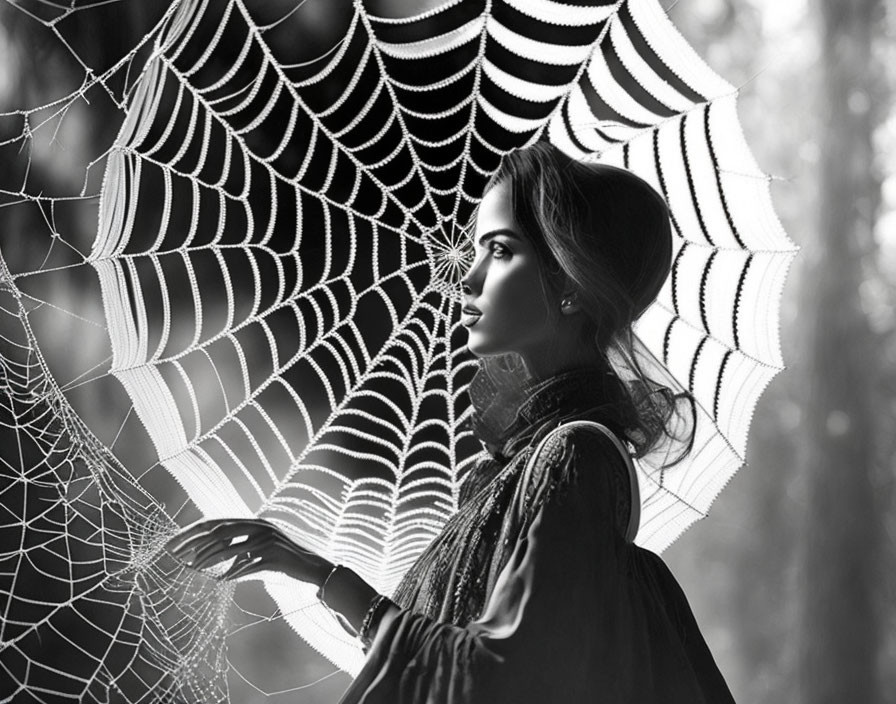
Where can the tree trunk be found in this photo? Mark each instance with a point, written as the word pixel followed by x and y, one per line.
pixel 838 633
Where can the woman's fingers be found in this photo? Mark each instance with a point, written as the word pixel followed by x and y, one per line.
pixel 256 545
pixel 203 547
pixel 243 567
pixel 188 536
pixel 205 551
pixel 184 547
pixel 220 529
pixel 215 552
pixel 205 527
pixel 215 524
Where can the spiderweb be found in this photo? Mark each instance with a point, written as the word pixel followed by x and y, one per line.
pixel 261 264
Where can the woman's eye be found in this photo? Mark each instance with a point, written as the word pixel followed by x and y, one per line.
pixel 498 250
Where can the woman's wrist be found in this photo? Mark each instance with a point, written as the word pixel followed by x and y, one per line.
pixel 345 592
pixel 322 583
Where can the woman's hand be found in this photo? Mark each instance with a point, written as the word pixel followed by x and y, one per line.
pixel 259 545
pixel 256 544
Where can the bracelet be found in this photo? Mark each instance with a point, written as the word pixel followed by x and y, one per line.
pixel 323 585
pixel 377 605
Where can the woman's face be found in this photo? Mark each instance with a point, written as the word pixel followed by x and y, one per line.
pixel 505 286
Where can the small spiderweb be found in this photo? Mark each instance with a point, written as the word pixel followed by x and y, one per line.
pixel 260 266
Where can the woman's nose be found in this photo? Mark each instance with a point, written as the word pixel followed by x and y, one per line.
pixel 468 280
pixel 471 282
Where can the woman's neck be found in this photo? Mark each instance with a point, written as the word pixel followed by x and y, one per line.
pixel 509 407
pixel 562 359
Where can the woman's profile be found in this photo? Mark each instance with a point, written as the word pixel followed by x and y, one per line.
pixel 534 591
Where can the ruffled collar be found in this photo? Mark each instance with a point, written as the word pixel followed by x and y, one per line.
pixel 508 409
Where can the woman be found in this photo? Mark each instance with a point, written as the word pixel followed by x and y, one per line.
pixel 534 591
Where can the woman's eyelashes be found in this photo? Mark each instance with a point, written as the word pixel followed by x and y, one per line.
pixel 498 250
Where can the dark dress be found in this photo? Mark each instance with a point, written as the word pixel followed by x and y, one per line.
pixel 533 592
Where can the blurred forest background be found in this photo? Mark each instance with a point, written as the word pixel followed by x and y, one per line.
pixel 793 575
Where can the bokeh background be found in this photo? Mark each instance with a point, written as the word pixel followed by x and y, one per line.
pixel 793 575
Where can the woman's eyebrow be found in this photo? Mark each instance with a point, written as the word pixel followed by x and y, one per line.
pixel 503 231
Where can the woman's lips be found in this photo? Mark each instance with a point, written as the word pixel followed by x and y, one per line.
pixel 469 314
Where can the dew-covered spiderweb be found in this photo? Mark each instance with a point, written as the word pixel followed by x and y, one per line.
pixel 229 261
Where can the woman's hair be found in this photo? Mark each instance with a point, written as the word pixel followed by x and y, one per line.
pixel 609 231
